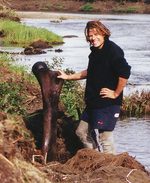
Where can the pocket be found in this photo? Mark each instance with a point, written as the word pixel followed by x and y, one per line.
pixel 105 119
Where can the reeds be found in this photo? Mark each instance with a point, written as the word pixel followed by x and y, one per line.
pixel 137 104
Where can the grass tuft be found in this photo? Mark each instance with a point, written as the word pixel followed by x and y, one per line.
pixel 22 35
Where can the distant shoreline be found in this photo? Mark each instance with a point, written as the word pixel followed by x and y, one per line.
pixel 61 15
pixel 48 15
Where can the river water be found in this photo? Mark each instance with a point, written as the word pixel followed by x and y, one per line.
pixel 130 32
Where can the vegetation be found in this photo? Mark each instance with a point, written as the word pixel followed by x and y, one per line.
pixel 10 100
pixel 137 104
pixel 18 34
pixel 7 13
pixel 13 86
pixel 14 93
pixel 87 7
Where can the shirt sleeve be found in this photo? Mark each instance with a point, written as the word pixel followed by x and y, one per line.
pixel 119 63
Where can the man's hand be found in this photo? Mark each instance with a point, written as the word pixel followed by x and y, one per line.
pixel 62 75
pixel 107 93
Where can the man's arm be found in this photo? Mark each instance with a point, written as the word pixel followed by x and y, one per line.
pixel 75 76
pixel 106 92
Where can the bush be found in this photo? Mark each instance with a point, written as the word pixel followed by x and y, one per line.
pixel 72 96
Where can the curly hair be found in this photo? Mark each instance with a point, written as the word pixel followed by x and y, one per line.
pixel 101 28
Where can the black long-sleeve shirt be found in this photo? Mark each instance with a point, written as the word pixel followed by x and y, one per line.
pixel 105 67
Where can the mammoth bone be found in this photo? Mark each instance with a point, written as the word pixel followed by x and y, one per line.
pixel 50 89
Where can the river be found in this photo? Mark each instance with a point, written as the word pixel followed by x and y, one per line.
pixel 130 32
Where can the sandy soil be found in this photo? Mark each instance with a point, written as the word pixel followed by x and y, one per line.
pixel 48 15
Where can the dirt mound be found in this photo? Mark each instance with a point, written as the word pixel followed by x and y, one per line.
pixel 91 166
pixel 88 160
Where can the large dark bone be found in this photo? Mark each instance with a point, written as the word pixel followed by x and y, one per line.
pixel 50 88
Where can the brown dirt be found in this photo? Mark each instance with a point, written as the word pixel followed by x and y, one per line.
pixel 75 6
pixel 6 169
pixel 91 166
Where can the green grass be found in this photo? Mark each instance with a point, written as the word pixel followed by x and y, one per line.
pixel 87 7
pixel 129 9
pixel 22 35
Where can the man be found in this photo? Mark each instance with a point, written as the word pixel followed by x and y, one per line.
pixel 106 77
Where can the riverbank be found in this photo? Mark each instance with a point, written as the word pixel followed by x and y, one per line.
pixel 72 6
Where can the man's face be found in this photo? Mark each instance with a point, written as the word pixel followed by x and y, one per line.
pixel 95 38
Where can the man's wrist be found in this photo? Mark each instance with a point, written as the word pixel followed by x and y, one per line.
pixel 116 94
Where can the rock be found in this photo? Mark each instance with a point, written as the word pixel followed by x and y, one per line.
pixel 69 36
pixel 58 50
pixel 32 51
pixel 40 44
